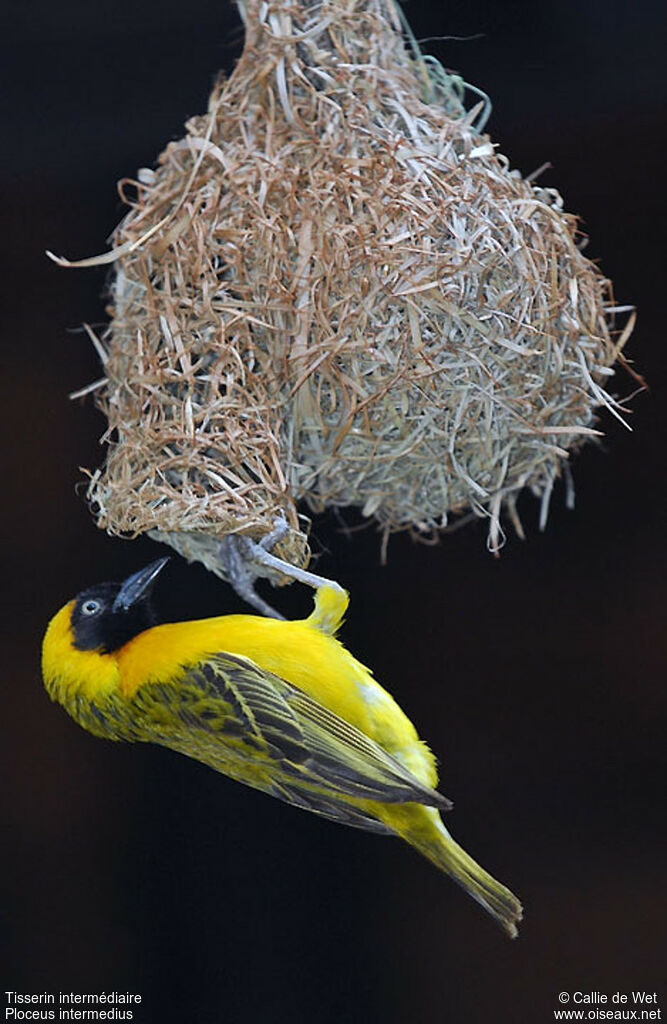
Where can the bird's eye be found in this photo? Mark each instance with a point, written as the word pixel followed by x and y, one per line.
pixel 91 607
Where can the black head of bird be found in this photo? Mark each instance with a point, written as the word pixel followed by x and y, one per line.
pixel 107 615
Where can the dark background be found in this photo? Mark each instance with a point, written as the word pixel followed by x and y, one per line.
pixel 538 678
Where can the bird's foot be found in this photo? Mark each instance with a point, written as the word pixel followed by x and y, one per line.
pixel 245 560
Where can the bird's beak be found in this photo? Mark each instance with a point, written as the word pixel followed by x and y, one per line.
pixel 138 586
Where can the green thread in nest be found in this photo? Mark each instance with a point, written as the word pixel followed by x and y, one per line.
pixel 444 88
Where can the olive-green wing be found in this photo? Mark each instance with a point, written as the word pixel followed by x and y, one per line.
pixel 315 758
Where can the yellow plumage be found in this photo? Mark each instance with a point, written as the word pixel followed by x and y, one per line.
pixel 281 706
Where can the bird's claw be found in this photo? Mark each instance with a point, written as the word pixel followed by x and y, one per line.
pixel 280 529
pixel 245 560
pixel 236 557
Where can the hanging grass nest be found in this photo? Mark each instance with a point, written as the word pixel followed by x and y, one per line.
pixel 334 291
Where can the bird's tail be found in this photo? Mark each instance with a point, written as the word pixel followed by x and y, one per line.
pixel 439 847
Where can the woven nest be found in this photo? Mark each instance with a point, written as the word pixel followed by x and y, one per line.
pixel 333 290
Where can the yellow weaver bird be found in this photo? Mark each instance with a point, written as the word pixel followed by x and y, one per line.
pixel 281 706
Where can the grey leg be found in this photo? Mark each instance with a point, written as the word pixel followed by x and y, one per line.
pixel 244 560
pixel 242 575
